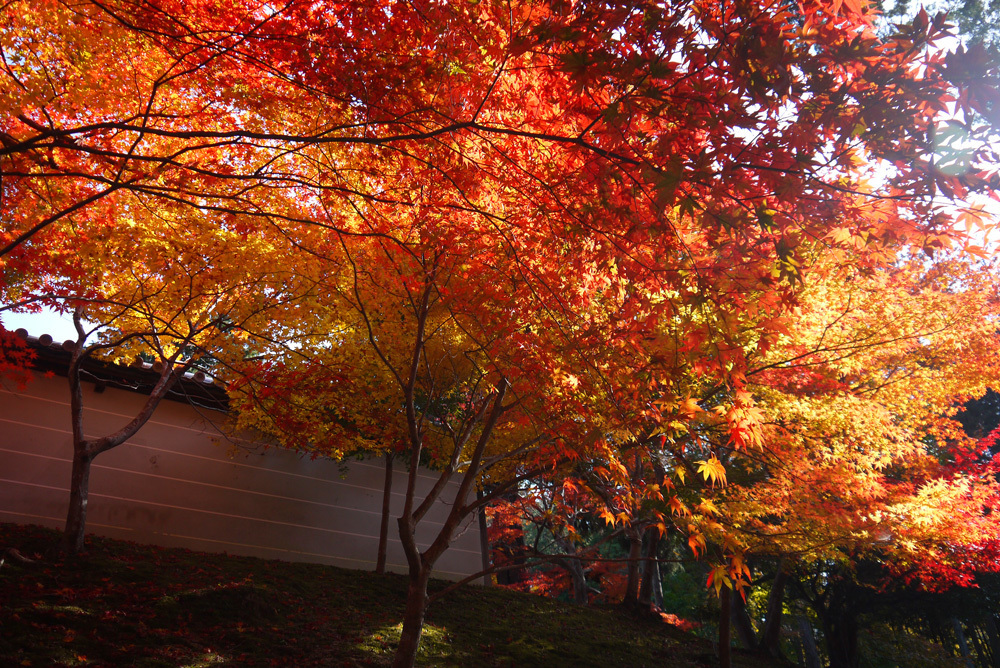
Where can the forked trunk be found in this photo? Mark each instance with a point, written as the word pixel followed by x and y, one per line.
pixel 580 589
pixel 84 450
pixel 422 563
pixel 76 517
pixel 577 574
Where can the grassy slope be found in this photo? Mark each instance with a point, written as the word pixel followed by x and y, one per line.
pixel 131 605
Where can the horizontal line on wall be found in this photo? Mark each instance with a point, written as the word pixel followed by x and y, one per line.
pixel 61 521
pixel 366 562
pixel 237 490
pixel 64 490
pixel 214 433
pixel 33 517
pixel 90 409
pixel 218 514
pixel 275 549
pixel 266 469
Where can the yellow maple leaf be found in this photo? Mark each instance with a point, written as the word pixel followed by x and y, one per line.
pixel 713 470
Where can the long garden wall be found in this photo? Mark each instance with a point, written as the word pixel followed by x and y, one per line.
pixel 179 482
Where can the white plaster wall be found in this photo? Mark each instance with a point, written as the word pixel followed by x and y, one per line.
pixel 180 483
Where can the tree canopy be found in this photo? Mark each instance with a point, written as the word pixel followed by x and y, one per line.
pixel 506 239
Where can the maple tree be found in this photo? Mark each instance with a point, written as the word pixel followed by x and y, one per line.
pixel 535 231
pixel 856 402
pixel 153 292
pixel 853 453
pixel 433 356
pixel 901 347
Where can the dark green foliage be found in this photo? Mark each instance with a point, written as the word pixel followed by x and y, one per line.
pixel 977 20
pixel 981 416
pixel 684 591
pixel 894 646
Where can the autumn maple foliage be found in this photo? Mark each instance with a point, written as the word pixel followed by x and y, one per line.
pixel 856 404
pixel 157 290
pixel 15 358
pixel 522 234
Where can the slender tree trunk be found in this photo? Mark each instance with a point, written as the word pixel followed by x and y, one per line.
pixel 631 599
pixel 76 517
pixel 413 619
pixel 962 644
pixel 650 570
pixel 841 640
pixel 83 455
pixel 484 539
pixel 744 627
pixel 383 531
pixel 725 642
pixel 994 640
pixel 770 640
pixel 581 592
pixel 658 586
pixel 809 644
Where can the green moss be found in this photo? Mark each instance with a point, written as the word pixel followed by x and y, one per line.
pixel 127 604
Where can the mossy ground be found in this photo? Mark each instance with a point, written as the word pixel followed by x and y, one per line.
pixel 123 604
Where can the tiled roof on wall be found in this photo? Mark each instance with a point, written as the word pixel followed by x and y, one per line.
pixel 195 388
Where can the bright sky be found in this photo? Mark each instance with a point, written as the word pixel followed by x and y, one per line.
pixel 59 327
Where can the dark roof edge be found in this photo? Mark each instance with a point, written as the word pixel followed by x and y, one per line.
pixel 196 389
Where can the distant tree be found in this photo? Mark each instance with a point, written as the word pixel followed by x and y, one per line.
pixel 976 20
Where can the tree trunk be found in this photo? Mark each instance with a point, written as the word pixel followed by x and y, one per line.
pixel 383 531
pixel 982 654
pixel 725 643
pixel 809 644
pixel 994 640
pixel 744 627
pixel 770 638
pixel 580 590
pixel 962 644
pixel 516 553
pixel 650 570
pixel 841 640
pixel 658 586
pixel 484 540
pixel 76 517
pixel 631 599
pixel 413 619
